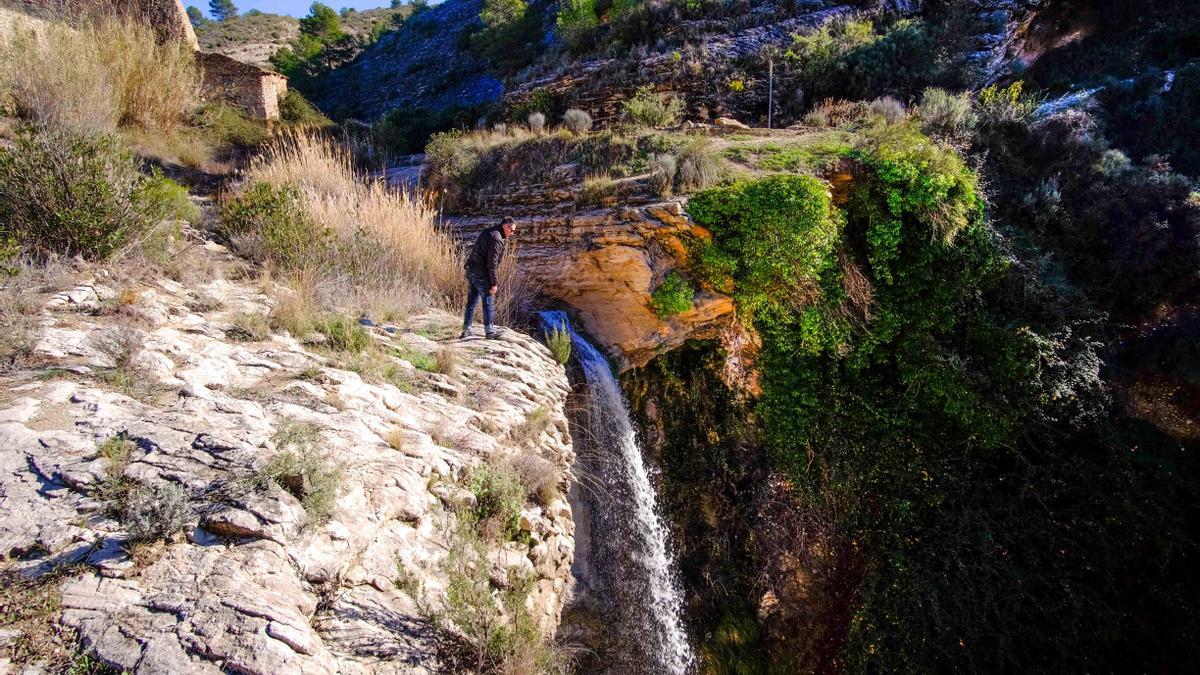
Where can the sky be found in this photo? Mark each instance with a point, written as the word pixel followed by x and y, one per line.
pixel 293 7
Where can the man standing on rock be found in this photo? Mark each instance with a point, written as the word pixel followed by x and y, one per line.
pixel 483 266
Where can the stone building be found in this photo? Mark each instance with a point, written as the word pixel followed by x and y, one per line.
pixel 255 90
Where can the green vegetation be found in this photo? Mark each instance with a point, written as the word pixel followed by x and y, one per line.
pixel 156 511
pixel 65 193
pixel 853 59
pixel 673 296
pixel 499 498
pixel 303 469
pixel 248 328
pixel 649 108
pixel 273 225
pixel 775 237
pixel 903 394
pixel 811 153
pixel 558 339
pixel 577 22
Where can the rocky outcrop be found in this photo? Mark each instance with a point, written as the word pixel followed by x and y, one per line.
pixel 254 583
pixel 419 65
pixel 605 264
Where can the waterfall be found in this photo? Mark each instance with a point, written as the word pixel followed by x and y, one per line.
pixel 630 528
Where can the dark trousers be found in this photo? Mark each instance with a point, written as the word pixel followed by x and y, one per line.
pixel 476 289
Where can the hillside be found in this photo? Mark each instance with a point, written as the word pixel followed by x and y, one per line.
pixel 834 337
pixel 254 38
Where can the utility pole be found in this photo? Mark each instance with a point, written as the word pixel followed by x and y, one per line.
pixel 770 88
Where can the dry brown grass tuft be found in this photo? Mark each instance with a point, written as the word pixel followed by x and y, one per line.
pixel 387 250
pixel 539 476
pixel 395 438
pixel 98 77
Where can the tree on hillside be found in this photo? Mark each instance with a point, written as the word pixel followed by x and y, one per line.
pixel 195 16
pixel 322 23
pixel 222 10
pixel 500 13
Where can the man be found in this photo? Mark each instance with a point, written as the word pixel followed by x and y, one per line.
pixel 483 265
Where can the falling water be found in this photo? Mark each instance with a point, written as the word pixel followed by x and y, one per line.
pixel 638 534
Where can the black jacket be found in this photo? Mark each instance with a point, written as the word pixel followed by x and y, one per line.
pixel 484 260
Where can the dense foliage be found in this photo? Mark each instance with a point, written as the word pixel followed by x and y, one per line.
pixel 912 408
pixel 66 193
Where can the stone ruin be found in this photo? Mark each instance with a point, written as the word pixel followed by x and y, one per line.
pixel 255 90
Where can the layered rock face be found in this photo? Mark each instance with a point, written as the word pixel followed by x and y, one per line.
pixel 605 264
pixel 255 583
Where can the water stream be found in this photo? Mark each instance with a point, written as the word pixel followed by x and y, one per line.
pixel 629 540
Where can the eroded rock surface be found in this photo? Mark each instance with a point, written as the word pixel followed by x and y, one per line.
pixel 254 584
pixel 605 264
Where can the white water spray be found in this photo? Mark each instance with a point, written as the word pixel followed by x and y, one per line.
pixel 610 423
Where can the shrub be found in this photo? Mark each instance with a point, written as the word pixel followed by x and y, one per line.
pixel 558 339
pixel 673 296
pixel 662 172
pixel 302 469
pixel 93 78
pixel 816 118
pixel 652 109
pixel 539 476
pixel 1004 105
pixel 851 59
pixel 270 223
pixel 499 498
pixel 345 334
pixel 248 327
pixel 784 230
pixel 700 165
pixel 888 108
pixel 63 193
pixel 945 112
pixel 577 22
pixel 156 511
pixel 120 344
pixel 1113 163
pixel 537 122
pixel 295 110
pixel 577 121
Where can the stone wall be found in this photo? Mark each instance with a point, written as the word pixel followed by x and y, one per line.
pixel 255 90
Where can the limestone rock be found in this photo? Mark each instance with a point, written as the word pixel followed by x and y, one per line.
pixel 258 584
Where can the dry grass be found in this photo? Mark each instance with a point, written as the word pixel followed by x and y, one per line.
pixel 395 438
pixel 98 77
pixel 539 476
pixel 388 253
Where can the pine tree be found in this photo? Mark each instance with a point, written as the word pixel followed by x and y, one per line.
pixel 222 10
pixel 195 16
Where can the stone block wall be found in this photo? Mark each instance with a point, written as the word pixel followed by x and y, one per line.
pixel 251 88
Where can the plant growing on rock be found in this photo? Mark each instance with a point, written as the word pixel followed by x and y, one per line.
pixel 577 121
pixel 663 168
pixel 558 339
pixel 673 296
pixel 302 469
pixel 650 108
pixel 499 498
pixel 156 511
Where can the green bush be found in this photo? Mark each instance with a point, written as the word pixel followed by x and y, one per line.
pixel 271 224
pixel 558 339
pixel 945 112
pixel 65 193
pixel 295 110
pixel 652 109
pixel 577 23
pixel 499 498
pixel 345 334
pixel 673 296
pixel 774 236
pixel 851 59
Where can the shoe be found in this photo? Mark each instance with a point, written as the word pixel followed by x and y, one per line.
pixel 465 334
pixel 492 335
